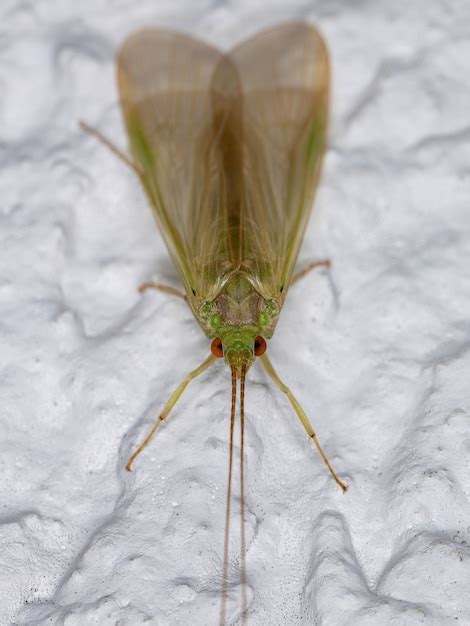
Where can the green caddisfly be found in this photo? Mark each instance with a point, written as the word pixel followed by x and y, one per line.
pixel 228 147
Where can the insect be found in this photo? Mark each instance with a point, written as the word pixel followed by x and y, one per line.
pixel 228 148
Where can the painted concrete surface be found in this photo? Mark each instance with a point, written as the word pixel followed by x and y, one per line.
pixel 377 349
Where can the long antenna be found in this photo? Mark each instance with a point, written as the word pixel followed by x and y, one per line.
pixel 242 497
pixel 228 501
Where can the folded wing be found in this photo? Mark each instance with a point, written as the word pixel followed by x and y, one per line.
pixel 165 83
pixel 284 73
pixel 230 148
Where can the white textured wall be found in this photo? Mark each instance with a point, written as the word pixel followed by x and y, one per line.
pixel 378 351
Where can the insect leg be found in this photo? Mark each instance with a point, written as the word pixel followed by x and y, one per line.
pixel 296 277
pixel 114 149
pixel 169 405
pixel 165 288
pixel 301 414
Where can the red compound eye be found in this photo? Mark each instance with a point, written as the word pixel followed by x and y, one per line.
pixel 216 347
pixel 260 345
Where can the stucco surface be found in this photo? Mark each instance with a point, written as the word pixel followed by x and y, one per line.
pixel 377 349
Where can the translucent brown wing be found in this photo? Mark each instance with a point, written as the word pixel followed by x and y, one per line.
pixel 230 149
pixel 284 73
pixel 175 121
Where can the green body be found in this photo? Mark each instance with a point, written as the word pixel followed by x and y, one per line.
pixel 238 315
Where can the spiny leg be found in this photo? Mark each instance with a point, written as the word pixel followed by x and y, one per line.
pixel 169 405
pixel 109 144
pixel 161 287
pixel 301 414
pixel 296 277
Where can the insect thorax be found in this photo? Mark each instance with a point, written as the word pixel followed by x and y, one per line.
pixel 239 307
